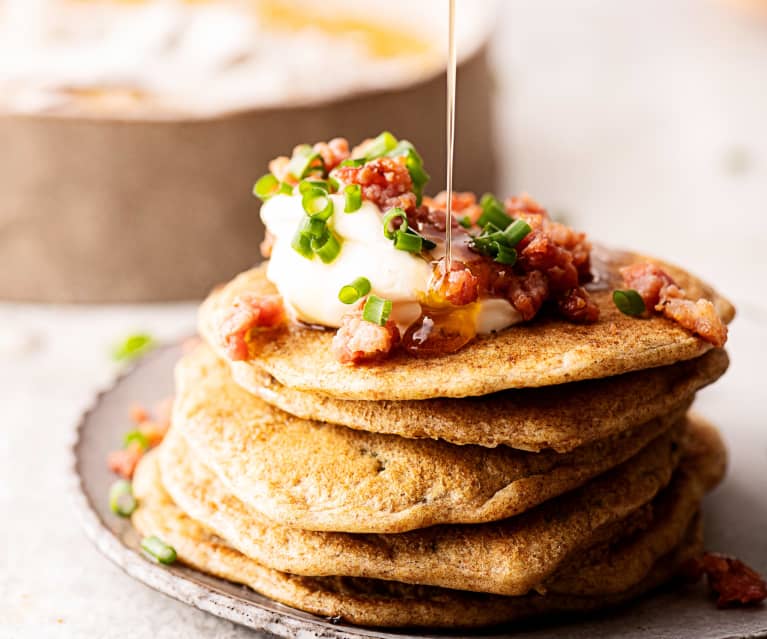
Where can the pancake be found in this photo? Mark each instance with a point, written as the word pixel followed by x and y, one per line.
pixel 510 557
pixel 559 417
pixel 543 352
pixel 323 477
pixel 371 602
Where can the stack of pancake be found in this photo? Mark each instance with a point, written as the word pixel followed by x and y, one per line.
pixel 550 468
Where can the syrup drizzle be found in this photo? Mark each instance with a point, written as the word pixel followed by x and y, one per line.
pixel 450 135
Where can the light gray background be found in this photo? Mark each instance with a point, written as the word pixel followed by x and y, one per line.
pixel 643 122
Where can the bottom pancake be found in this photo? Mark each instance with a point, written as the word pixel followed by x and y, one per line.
pixel 612 570
pixel 371 602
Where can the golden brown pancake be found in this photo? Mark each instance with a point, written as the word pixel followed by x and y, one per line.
pixel 371 602
pixel 323 477
pixel 558 417
pixel 543 352
pixel 510 557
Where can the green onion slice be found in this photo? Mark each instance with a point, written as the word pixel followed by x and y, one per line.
pixel 266 187
pixel 505 255
pixel 353 195
pixel 629 302
pixel 465 222
pixel 354 291
pixel 302 244
pixel 317 203
pixel 414 164
pixel 516 232
pixel 329 186
pixel 406 241
pixel 305 161
pixel 314 227
pixel 136 436
pixel 326 247
pixel 158 549
pixel 355 162
pixel 389 217
pixel 380 146
pixel 376 310
pixel 133 346
pixel 121 499
pixel 493 212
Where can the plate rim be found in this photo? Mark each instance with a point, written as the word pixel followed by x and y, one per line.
pixel 185 588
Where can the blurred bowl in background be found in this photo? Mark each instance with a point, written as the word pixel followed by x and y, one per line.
pixel 133 131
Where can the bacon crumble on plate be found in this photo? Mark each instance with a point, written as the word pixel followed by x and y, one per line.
pixel 149 431
pixel 510 251
pixel 734 582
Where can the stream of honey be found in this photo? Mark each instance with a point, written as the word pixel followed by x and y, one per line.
pixel 450 134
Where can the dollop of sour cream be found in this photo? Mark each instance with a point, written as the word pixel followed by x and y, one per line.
pixel 310 287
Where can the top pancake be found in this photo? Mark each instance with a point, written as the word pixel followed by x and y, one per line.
pixel 543 352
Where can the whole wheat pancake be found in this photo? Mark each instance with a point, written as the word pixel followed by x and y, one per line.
pixel 510 557
pixel 559 417
pixel 543 352
pixel 324 477
pixel 372 602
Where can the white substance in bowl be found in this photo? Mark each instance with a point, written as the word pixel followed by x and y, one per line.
pixel 166 58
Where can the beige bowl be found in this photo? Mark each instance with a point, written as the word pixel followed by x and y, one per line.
pixel 98 209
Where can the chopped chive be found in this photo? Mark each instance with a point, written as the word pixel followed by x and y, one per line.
pixel 158 549
pixel 266 187
pixel 326 247
pixel 121 499
pixel 304 161
pixel 380 146
pixel 389 217
pixel 376 310
pixel 353 195
pixel 314 226
pixel 629 302
pixel 317 204
pixel 302 244
pixel 465 222
pixel 516 232
pixel 137 437
pixel 307 185
pixel 133 346
pixel 505 255
pixel 354 291
pixel 493 212
pixel 410 242
pixel 414 164
pixel 355 162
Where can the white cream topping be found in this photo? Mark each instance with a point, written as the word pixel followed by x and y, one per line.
pixel 310 287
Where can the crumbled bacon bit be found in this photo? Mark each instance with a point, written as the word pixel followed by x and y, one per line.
pixel 361 341
pixel 464 204
pixel 123 462
pixel 659 292
pixel 459 287
pixel 577 306
pixel 154 427
pixel 648 280
pixel 279 168
pixel 733 581
pixel 385 181
pixel 333 152
pixel 246 314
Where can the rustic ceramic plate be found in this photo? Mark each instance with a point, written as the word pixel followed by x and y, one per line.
pixel 736 518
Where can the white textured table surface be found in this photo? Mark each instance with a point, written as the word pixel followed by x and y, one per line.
pixel 625 137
